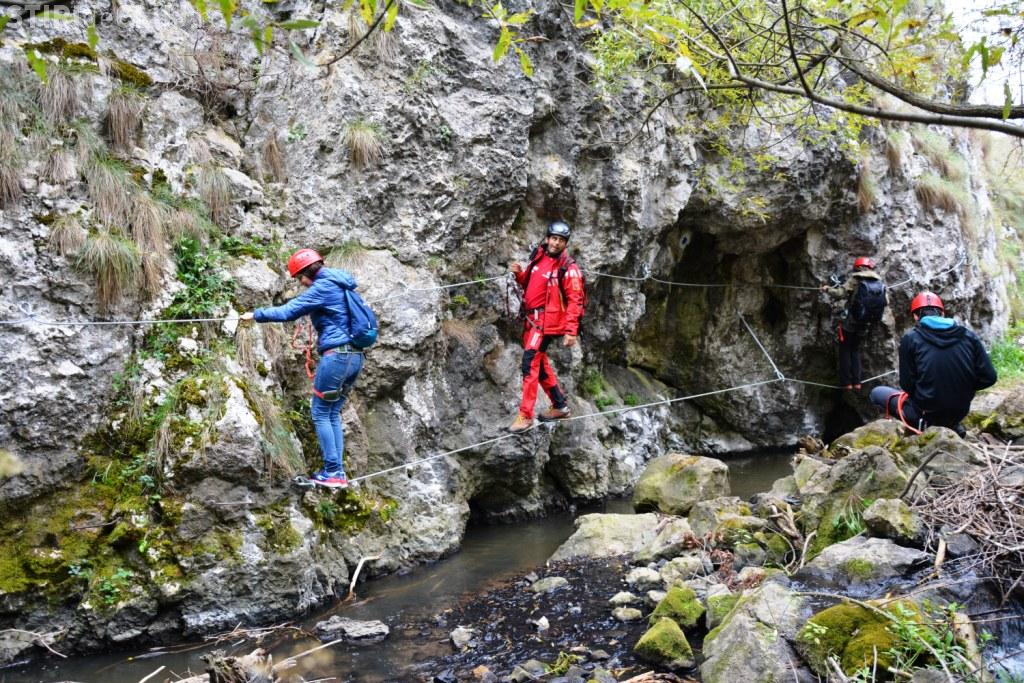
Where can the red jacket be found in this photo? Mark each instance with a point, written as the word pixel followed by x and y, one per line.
pixel 561 313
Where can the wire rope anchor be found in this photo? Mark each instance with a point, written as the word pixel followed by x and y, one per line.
pixel 778 373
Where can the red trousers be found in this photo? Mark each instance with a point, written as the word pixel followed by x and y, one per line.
pixel 537 370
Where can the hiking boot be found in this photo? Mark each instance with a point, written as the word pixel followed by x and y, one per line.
pixel 552 414
pixel 332 480
pixel 520 424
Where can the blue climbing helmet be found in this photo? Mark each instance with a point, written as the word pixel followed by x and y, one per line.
pixel 560 229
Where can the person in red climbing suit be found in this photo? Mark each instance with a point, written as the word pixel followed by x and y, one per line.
pixel 942 365
pixel 553 301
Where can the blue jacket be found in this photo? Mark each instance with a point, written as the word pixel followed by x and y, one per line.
pixel 324 303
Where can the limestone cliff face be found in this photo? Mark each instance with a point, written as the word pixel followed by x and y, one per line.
pixel 173 444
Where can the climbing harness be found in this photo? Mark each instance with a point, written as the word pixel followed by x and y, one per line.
pixel 305 346
pixel 901 398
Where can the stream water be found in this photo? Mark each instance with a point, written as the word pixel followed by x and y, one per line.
pixel 489 557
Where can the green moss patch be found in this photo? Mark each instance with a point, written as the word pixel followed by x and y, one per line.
pixel 680 605
pixel 719 607
pixel 850 633
pixel 664 643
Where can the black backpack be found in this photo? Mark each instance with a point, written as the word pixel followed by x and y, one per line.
pixel 535 255
pixel 868 302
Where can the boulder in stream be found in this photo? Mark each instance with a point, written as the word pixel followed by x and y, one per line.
pixel 601 535
pixel 673 483
pixel 863 566
pixel 352 630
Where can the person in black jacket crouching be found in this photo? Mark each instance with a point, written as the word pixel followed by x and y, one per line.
pixel 942 365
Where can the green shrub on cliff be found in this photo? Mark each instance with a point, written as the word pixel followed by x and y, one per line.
pixel 1008 354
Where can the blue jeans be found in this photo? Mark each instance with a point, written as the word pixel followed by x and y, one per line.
pixel 335 372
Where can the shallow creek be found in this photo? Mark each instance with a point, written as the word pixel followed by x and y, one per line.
pixel 490 557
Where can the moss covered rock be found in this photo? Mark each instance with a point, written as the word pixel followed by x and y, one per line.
pixel 752 641
pixel 674 483
pixel 719 606
pixel 681 606
pixel 892 518
pixel 859 565
pixel 999 412
pixel 850 633
pixel 665 644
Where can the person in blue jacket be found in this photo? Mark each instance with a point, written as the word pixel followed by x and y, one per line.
pixel 340 362
pixel 942 365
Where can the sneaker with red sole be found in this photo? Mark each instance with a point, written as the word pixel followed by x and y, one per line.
pixel 332 480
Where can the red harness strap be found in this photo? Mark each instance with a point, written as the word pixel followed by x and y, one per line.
pixel 305 346
pixel 902 397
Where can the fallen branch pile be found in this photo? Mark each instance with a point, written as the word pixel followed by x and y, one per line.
pixel 987 504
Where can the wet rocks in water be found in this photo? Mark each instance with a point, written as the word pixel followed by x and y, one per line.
pixel 608 535
pixel 627 614
pixel 674 483
pixel 862 565
pixel 351 630
pixel 644 578
pixel 623 599
pixel 664 644
pixel 892 518
pixel 549 584
pixel 530 670
pixel 461 637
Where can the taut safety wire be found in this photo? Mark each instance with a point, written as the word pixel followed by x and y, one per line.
pixel 30 317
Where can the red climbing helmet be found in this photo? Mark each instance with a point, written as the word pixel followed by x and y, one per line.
pixel 301 259
pixel 926 299
pixel 863 262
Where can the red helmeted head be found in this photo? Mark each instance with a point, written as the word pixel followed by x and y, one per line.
pixel 864 262
pixel 926 300
pixel 301 259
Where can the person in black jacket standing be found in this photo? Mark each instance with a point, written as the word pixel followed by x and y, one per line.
pixel 942 365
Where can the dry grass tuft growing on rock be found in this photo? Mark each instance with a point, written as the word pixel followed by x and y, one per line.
pixel 935 193
pixel 61 165
pixel 151 276
pixel 867 189
pixel 114 262
pixel 273 159
pixel 940 154
pixel 111 190
pixel 67 236
pixel 214 189
pixel 10 169
pixel 88 143
pixel 894 147
pixel 463 332
pixel 148 221
pixel 124 116
pixel 364 144
pixel 59 97
pixel 349 255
